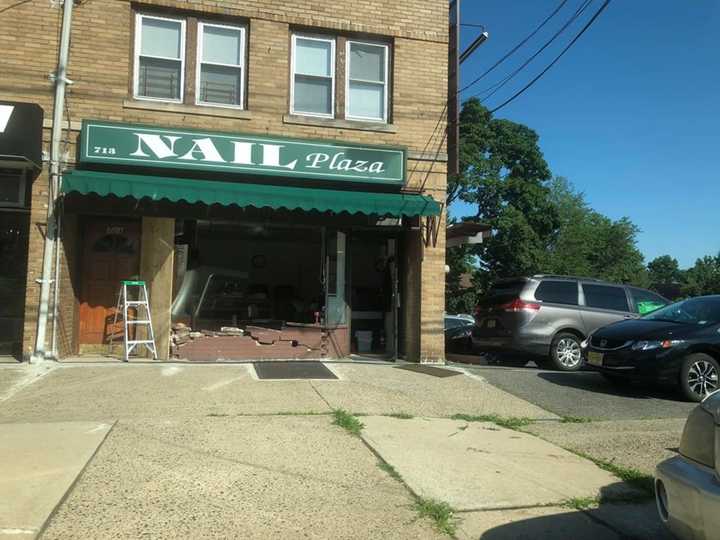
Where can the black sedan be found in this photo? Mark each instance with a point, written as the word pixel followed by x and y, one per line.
pixel 677 345
pixel 457 334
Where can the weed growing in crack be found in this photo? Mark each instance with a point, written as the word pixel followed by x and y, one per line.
pixel 581 503
pixel 401 416
pixel 575 420
pixel 347 421
pixel 633 477
pixel 386 467
pixel 509 422
pixel 441 513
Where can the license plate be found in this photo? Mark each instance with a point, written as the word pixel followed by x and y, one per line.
pixel 595 358
pixel 491 323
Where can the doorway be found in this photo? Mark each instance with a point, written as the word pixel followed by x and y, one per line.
pixel 14 233
pixel 374 295
pixel 111 253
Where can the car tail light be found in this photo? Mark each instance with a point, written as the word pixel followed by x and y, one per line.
pixel 520 305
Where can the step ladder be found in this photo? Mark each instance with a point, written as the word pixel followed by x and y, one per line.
pixel 137 301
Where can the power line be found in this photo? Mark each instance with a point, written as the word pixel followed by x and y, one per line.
pixel 528 85
pixel 511 51
pixel 16 4
pixel 498 85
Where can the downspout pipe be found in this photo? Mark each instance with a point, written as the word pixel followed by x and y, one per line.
pixel 61 81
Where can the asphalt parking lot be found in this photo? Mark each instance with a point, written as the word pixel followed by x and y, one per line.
pixel 583 394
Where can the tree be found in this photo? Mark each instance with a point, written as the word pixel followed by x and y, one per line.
pixel 538 225
pixel 459 298
pixel 704 277
pixel 503 173
pixel 665 276
pixel 590 244
pixel 664 270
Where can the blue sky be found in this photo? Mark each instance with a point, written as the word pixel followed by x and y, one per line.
pixel 630 114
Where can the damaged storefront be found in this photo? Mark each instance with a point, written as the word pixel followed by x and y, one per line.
pixel 253 247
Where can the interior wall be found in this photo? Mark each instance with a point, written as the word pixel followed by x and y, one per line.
pixel 268 259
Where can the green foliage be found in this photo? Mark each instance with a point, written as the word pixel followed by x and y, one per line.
pixel 511 422
pixel 633 477
pixel 581 503
pixel 664 270
pixel 401 416
pixel 460 299
pixel 441 513
pixel 590 244
pixel 504 174
pixel 347 421
pixel 575 420
pixel 539 225
pixel 665 277
pixel 389 469
pixel 703 277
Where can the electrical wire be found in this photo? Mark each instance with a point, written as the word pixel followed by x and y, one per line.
pixel 16 4
pixel 528 85
pixel 512 51
pixel 498 85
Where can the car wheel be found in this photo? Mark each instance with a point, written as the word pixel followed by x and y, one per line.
pixel 699 376
pixel 565 352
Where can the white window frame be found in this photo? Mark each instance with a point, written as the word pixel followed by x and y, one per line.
pixel 22 186
pixel 293 48
pixel 138 42
pixel 199 63
pixel 386 86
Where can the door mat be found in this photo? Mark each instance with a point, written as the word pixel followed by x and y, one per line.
pixel 429 370
pixel 292 370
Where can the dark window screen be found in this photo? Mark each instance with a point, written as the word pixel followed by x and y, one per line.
pixel 606 297
pixel 558 292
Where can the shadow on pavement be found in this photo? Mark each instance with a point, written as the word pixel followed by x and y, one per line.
pixel 632 520
pixel 594 382
pixel 491 359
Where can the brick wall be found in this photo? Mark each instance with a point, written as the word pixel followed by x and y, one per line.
pixel 101 68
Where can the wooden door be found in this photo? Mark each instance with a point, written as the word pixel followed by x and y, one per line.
pixel 111 253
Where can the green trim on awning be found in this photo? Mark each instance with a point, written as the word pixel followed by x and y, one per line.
pixel 209 192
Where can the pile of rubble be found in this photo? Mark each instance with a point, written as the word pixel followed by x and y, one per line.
pixel 182 334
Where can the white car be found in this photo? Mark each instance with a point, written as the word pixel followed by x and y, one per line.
pixel 687 487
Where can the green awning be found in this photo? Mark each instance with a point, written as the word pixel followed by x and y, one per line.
pixel 159 188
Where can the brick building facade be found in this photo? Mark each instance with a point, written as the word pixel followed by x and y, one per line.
pixel 362 72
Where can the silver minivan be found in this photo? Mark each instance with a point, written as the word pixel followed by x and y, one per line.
pixel 549 316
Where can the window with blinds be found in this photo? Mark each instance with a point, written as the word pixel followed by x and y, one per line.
pixel 221 65
pixel 159 58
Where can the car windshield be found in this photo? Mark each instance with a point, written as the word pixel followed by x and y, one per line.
pixel 701 311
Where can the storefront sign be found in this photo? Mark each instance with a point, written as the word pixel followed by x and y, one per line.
pixel 20 135
pixel 122 144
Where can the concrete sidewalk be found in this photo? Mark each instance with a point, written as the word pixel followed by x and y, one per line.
pixel 506 484
pixel 481 466
pixel 210 451
pixel 128 391
pixel 40 463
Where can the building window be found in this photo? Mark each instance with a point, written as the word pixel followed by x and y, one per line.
pixel 221 65
pixel 159 58
pixel 12 189
pixel 366 81
pixel 313 76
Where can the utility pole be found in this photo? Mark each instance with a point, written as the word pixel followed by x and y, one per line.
pixel 455 58
pixel 453 123
pixel 61 81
